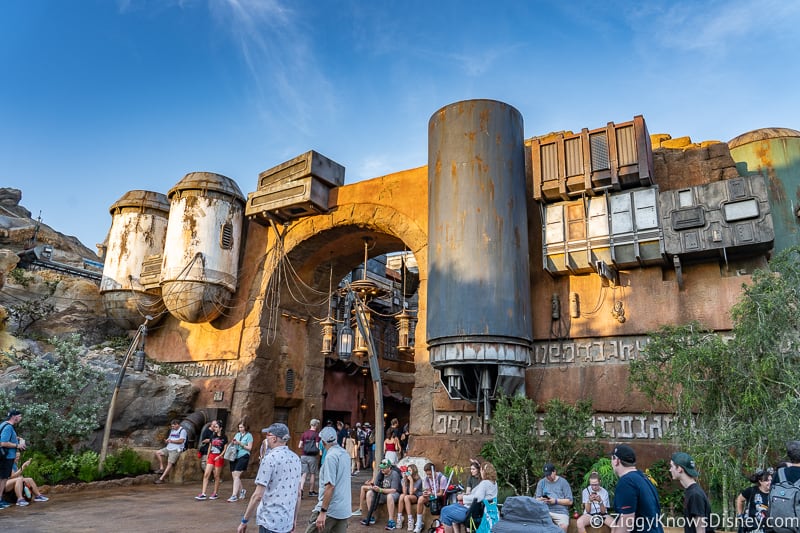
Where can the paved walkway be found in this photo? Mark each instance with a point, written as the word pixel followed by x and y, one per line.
pixel 149 508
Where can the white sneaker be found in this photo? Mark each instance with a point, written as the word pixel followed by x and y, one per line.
pixel 411 524
pixel 242 494
pixel 22 502
pixel 357 512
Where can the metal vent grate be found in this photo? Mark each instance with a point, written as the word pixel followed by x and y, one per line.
pixel 226 236
pixel 290 381
pixel 599 143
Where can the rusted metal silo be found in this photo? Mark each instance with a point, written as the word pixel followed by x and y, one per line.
pixel 201 256
pixel 138 231
pixel 479 315
pixel 775 154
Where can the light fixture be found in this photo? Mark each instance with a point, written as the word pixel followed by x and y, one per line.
pixel 138 360
pixel 363 404
pixel 346 332
pixel 361 349
pixel 405 320
pixel 328 325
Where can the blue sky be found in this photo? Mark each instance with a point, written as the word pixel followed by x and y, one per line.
pixel 99 97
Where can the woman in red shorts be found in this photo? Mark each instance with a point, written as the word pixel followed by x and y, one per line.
pixel 215 460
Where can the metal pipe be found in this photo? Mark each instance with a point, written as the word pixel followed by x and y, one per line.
pixel 140 333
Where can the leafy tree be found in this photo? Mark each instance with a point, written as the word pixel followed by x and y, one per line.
pixel 26 313
pixel 736 396
pixel 60 396
pixel 518 451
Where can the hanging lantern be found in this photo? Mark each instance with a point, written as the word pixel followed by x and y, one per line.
pixel 361 348
pixel 328 336
pixel 345 342
pixel 405 321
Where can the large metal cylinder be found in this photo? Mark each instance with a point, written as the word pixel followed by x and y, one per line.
pixel 138 231
pixel 479 315
pixel 201 255
pixel 775 154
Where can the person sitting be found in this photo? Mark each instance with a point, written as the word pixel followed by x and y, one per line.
pixel 474 475
pixel 387 490
pixel 595 503
pixel 173 447
pixel 433 487
pixel 557 494
pixel 20 485
pixel 454 516
pixel 411 492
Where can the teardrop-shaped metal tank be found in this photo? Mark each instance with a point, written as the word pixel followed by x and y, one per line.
pixel 200 269
pixel 479 312
pixel 775 154
pixel 138 230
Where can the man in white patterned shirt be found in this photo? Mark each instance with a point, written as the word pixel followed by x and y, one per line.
pixel 277 492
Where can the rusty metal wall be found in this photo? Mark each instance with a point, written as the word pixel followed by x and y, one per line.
pixel 775 154
pixel 138 230
pixel 479 284
pixel 200 267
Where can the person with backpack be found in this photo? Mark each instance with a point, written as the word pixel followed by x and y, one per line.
pixel 175 444
pixel 696 507
pixel 752 504
pixel 10 444
pixel 309 460
pixel 784 493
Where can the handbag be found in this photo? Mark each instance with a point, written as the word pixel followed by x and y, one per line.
pixel 230 453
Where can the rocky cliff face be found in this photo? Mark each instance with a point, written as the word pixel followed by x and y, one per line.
pixel 147 401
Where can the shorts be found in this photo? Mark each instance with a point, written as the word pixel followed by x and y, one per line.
pixel 6 467
pixel 309 464
pixel 240 464
pixel 172 455
pixel 215 459
pixel 395 496
pixel 560 519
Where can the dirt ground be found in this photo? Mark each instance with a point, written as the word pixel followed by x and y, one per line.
pixel 151 508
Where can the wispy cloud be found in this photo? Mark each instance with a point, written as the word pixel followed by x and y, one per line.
pixel 714 26
pixel 279 56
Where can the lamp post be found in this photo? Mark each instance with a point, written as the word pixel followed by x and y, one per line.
pixel 141 332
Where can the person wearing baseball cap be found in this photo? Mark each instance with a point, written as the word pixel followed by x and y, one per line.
pixel 556 493
pixel 275 497
pixel 332 512
pixel 11 444
pixel 635 499
pixel 696 507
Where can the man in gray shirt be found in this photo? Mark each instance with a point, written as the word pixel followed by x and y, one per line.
pixel 333 508
pixel 554 491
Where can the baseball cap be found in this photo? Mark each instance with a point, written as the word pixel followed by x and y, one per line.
pixel 358 424
pixel 549 468
pixel 685 461
pixel 279 430
pixel 386 463
pixel 623 452
pixel 367 425
pixel 327 435
pixel 13 412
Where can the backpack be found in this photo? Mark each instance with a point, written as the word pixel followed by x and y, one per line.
pixel 784 504
pixel 3 449
pixel 185 444
pixel 310 446
pixel 371 438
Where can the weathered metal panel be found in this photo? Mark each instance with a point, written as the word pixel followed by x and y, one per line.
pixel 774 153
pixel 201 254
pixel 138 230
pixel 479 284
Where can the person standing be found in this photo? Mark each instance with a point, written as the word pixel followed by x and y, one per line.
pixel 696 507
pixel 10 443
pixel 752 503
pixel 332 512
pixel 243 440
pixel 173 449
pixel 309 447
pixel 276 497
pixel 635 498
pixel 555 491
pixel 215 461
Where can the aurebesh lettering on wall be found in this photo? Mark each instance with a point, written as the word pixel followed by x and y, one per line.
pixel 616 425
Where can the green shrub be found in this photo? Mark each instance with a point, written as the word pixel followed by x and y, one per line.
pixel 126 462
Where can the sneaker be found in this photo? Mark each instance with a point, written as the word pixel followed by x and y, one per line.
pixel 372 521
pixel 357 512
pixel 41 498
pixel 364 522
pixel 418 528
pixel 232 499
pixel 201 497
pixel 213 497
pixel 22 502
pixel 313 493
pixel 4 504
pixel 242 494
pixel 159 482
pixel 411 524
pixel 391 525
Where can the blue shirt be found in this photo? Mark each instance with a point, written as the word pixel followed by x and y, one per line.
pixel 636 495
pixel 8 434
